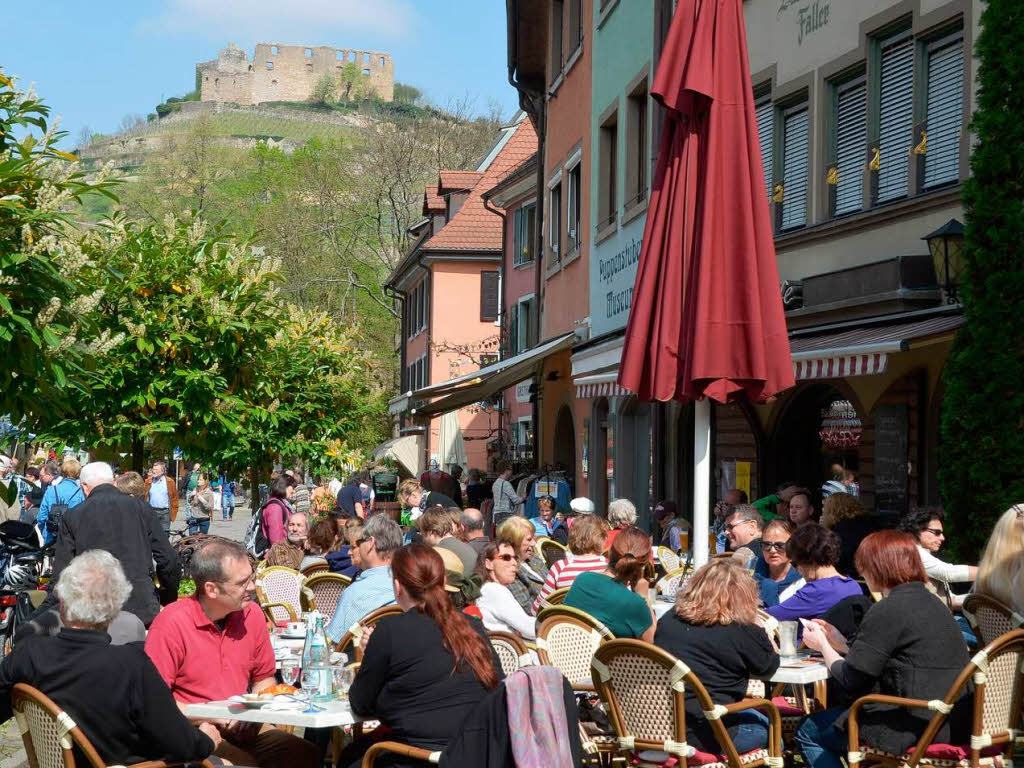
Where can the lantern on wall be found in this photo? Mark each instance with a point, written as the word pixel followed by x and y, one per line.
pixel 946 245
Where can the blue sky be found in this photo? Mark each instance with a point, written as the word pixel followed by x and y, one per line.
pixel 95 62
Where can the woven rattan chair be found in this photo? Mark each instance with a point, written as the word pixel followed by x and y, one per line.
pixel 511 651
pixel 394 748
pixel 50 734
pixel 314 568
pixel 668 559
pixel 557 597
pixel 355 632
pixel 671 582
pixel 551 551
pixel 279 591
pixel 566 639
pixel 998 675
pixel 322 591
pixel 645 688
pixel 990 618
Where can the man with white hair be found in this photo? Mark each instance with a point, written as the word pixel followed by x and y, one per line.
pixel 112 692
pixel 290 552
pixel 128 529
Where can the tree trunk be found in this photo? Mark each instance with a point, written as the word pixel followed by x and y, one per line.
pixel 137 453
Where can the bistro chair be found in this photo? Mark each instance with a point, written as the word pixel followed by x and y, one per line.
pixel 322 591
pixel 989 617
pixel 355 633
pixel 670 583
pixel 551 551
pixel 566 639
pixel 557 597
pixel 645 688
pixel 279 591
pixel 511 651
pixel 669 560
pixel 50 734
pixel 315 568
pixel 404 750
pixel 997 672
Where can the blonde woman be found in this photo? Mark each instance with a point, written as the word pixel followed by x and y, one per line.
pixel 713 631
pixel 532 572
pixel 1001 571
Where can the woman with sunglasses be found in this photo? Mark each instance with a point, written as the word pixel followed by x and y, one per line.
pixel 499 608
pixel 774 562
pixel 925 525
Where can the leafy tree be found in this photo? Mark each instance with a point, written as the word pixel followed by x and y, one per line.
pixel 323 90
pixel 351 76
pixel 44 261
pixel 982 461
pixel 407 94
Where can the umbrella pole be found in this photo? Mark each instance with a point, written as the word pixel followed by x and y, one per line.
pixel 701 479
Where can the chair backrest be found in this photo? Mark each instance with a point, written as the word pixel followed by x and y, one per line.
pixel 314 568
pixel 645 688
pixel 671 582
pixel 557 597
pixel 48 732
pixel 355 633
pixel 990 618
pixel 278 584
pixel 669 560
pixel 511 651
pixel 551 551
pixel 326 589
pixel 566 639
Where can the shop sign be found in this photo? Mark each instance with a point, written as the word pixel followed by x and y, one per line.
pixel 613 272
pixel 523 391
pixel 840 425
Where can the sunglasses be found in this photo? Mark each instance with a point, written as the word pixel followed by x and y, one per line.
pixel 936 532
pixel 506 557
pixel 730 526
pixel 778 546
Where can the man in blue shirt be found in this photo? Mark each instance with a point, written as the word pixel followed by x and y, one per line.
pixel 162 495
pixel 373 588
pixel 60 490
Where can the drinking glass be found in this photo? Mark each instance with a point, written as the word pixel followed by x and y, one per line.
pixel 343 677
pixel 289 671
pixel 310 684
pixel 787 638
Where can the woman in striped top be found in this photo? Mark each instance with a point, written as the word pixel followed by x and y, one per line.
pixel 586 542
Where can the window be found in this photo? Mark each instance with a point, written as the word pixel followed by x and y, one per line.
pixel 765 112
pixel 273 50
pixel 366 72
pixel 575 24
pixel 850 145
pixel 524 233
pixel 270 65
pixel 557 16
pixel 895 117
pixel 382 62
pixel 416 374
pixel 308 52
pixel 489 284
pixel 526 335
pixel 607 199
pixel 522 439
pixel 416 310
pixel 572 206
pixel 555 222
pixel 366 58
pixel 795 164
pixel 636 145
pixel 340 55
pixel 944 103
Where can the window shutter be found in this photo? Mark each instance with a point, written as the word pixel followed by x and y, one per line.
pixel 765 131
pixel 488 297
pixel 517 237
pixel 944 113
pixel 425 305
pixel 795 160
pixel 896 119
pixel 513 332
pixel 851 146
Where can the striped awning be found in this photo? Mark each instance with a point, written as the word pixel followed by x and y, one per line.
pixel 843 365
pixel 610 388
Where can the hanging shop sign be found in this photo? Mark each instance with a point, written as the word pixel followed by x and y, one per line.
pixel 840 425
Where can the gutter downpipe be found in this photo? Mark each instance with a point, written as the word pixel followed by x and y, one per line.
pixel 502 314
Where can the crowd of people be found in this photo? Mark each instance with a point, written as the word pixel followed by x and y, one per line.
pixel 865 593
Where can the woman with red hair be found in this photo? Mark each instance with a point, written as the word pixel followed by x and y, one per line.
pixel 425 670
pixel 908 645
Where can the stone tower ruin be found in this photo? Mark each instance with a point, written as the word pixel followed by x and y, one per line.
pixel 286 72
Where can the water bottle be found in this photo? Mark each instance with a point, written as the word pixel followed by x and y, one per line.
pixel 320 660
pixel 308 644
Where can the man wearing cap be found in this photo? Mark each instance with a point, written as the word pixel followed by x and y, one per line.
pixel 581 505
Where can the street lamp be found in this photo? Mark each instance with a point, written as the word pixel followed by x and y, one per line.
pixel 946 245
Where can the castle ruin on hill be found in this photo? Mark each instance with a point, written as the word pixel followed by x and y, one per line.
pixel 286 72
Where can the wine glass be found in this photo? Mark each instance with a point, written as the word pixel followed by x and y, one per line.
pixel 310 684
pixel 289 671
pixel 343 677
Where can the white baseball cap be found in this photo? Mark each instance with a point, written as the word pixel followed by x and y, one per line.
pixel 581 505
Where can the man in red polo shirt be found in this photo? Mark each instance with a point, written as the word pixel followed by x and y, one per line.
pixel 216 645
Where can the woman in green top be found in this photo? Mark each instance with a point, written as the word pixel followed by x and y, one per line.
pixel 617 596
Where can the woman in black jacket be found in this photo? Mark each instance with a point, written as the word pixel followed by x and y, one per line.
pixel 425 670
pixel 908 645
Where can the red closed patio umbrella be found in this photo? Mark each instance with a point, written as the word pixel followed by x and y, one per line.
pixel 706 319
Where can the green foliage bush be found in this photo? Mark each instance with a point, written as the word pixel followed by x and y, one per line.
pixel 982 450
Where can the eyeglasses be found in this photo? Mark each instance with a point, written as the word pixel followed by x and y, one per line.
pixel 730 526
pixel 506 557
pixel 778 546
pixel 936 532
pixel 363 540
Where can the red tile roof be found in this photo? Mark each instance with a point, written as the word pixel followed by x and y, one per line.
pixel 475 227
pixel 458 181
pixel 432 201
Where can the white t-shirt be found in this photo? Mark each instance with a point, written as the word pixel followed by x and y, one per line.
pixel 501 612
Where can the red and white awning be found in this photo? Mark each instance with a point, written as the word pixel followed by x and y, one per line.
pixel 602 385
pixel 831 367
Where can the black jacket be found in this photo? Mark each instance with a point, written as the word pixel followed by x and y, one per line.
pixel 128 529
pixel 112 692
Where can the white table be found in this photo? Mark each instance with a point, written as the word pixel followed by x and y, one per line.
pixel 809 672
pixel 334 713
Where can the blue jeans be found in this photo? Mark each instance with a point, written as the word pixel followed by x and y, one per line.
pixel 820 741
pixel 748 730
pixel 199 526
pixel 228 509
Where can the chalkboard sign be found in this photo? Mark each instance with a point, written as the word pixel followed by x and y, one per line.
pixel 892 472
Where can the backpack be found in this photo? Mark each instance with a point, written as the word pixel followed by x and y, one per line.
pixel 256 542
pixel 57 511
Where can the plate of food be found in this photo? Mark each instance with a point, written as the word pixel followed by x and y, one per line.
pixel 252 700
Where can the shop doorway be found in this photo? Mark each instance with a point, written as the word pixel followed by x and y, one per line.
pixel 564 453
pixel 601 466
pixel 819 426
